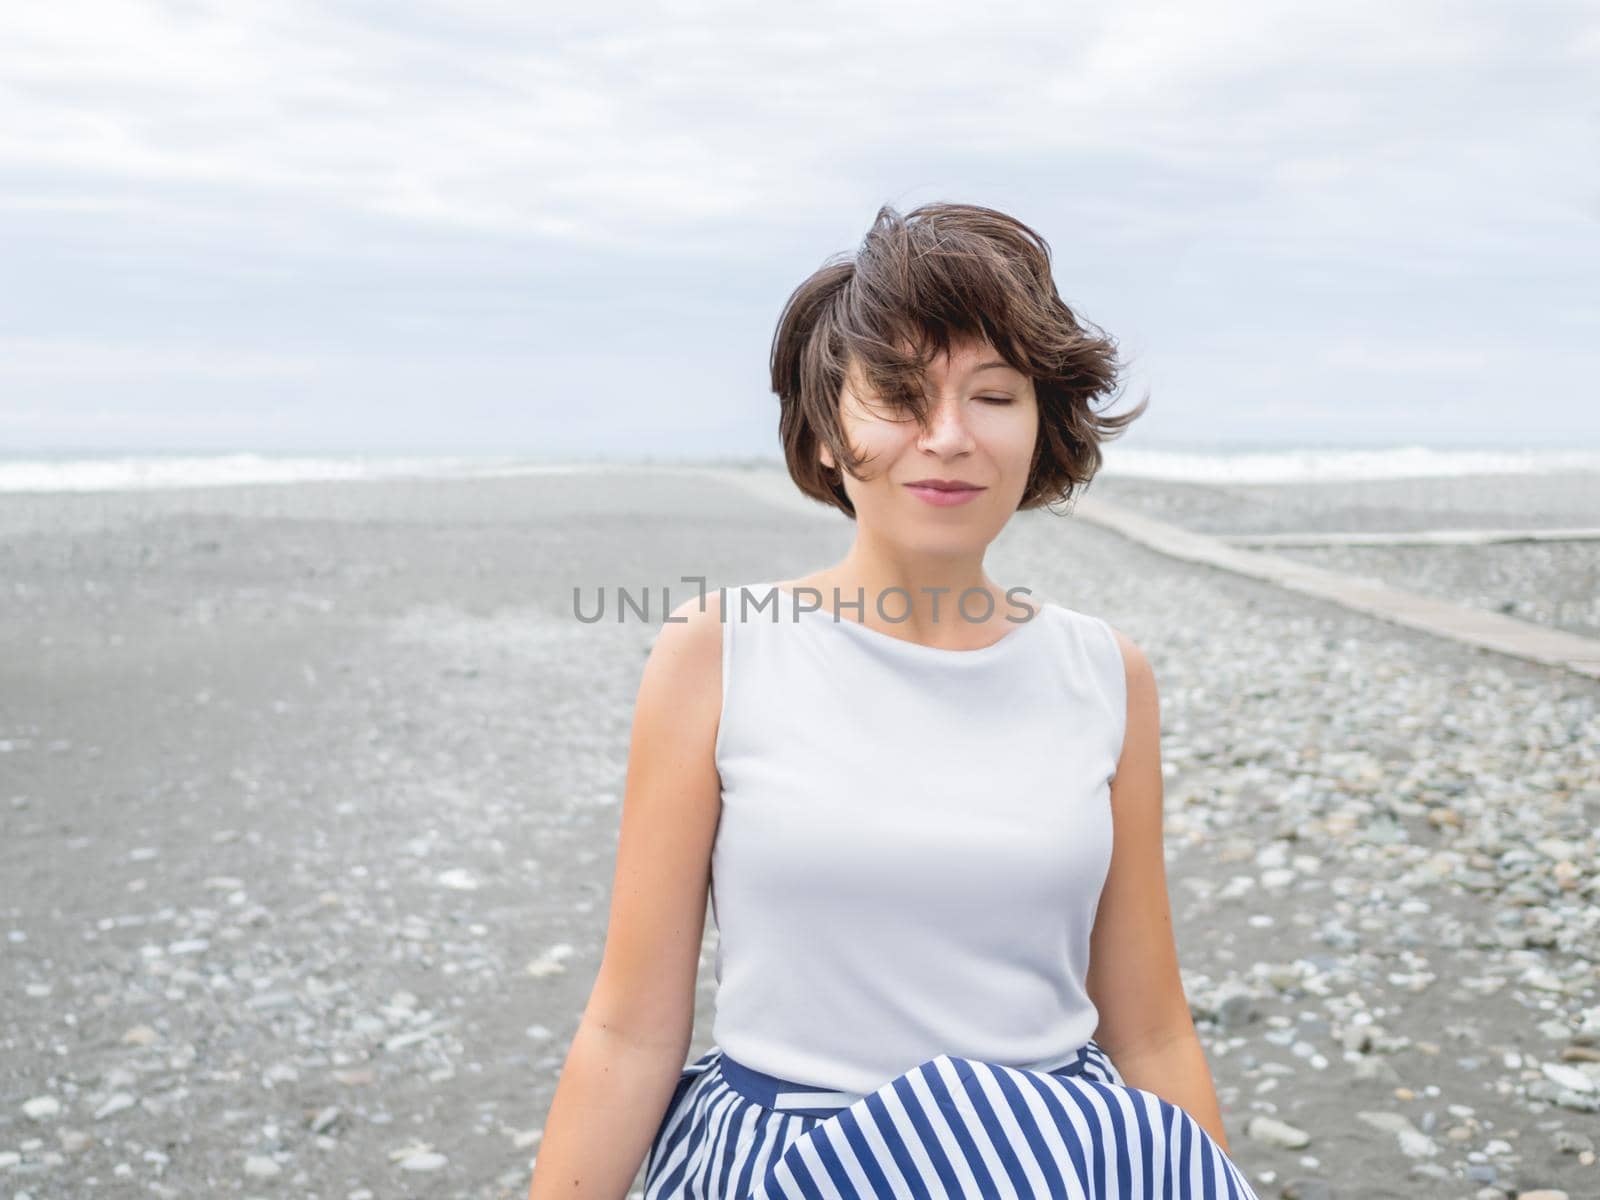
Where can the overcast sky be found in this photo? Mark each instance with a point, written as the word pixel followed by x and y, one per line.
pixel 501 227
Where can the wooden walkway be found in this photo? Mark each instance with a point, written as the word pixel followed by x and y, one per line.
pixel 1473 626
pixel 1420 537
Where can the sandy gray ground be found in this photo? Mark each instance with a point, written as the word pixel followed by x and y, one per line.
pixel 308 798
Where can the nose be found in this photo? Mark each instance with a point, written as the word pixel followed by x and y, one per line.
pixel 946 431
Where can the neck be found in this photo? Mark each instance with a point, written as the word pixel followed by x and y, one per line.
pixel 943 601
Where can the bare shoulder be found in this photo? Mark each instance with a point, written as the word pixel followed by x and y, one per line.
pixel 1136 666
pixel 687 653
pixel 695 623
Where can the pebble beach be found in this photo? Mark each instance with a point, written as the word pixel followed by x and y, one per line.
pixel 309 795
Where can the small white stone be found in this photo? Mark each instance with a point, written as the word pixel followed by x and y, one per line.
pixel 113 1105
pixel 259 1166
pixel 1277 1133
pixel 1569 1077
pixel 549 963
pixel 1416 1144
pixel 430 1160
pixel 41 1108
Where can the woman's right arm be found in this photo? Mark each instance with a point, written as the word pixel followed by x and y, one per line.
pixel 634 1036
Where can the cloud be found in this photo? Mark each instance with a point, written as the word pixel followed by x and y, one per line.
pixel 257 190
pixel 23 359
pixel 492 118
pixel 1408 358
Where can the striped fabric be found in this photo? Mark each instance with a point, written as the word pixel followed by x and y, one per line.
pixel 950 1127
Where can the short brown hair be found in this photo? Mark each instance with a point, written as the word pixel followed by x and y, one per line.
pixel 945 273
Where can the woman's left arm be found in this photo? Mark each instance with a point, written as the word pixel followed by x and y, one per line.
pixel 1179 1074
pixel 1133 976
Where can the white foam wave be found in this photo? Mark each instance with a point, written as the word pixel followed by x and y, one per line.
pixel 115 473
pixel 1312 465
pixel 213 470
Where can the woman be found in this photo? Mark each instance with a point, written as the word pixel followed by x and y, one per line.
pixel 928 808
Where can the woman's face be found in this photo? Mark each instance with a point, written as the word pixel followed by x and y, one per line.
pixel 983 421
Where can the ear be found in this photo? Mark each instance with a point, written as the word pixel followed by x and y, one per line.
pixel 825 456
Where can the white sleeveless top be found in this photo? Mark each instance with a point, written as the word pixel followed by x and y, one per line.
pixel 913 840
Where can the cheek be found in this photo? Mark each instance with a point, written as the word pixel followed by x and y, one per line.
pixel 1013 439
pixel 883 440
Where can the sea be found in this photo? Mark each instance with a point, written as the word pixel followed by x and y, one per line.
pixel 96 472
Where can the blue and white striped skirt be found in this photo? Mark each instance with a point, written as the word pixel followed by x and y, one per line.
pixel 948 1127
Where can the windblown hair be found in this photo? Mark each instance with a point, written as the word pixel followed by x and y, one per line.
pixel 944 274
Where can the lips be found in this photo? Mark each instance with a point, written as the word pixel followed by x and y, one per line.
pixel 945 493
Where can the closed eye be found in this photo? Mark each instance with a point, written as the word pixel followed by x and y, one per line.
pixel 996 399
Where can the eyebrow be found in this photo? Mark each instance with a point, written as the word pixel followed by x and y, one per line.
pixel 988 365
